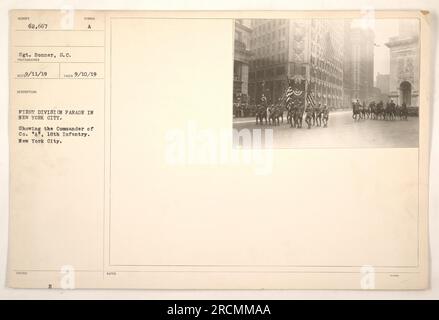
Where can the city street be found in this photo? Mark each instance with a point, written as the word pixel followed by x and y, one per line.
pixel 342 132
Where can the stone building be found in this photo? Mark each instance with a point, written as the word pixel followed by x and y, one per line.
pixel 311 49
pixel 404 64
pixel 378 96
pixel 241 59
pixel 382 82
pixel 358 66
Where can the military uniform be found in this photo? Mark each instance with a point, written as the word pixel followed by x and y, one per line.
pixel 309 114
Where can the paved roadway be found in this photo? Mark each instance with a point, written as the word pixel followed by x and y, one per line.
pixel 342 132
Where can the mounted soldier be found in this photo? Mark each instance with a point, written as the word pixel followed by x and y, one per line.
pixel 380 110
pixel 366 111
pixel 392 106
pixel 261 114
pixel 372 110
pixel 356 113
pixel 264 100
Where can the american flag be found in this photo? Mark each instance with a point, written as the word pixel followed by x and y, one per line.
pixel 310 99
pixel 288 95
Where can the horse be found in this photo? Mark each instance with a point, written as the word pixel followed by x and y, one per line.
pixel 276 113
pixel 389 111
pixel 356 112
pixel 380 110
pixel 372 111
pixel 367 111
pixel 362 111
pixel 261 114
pixel 397 112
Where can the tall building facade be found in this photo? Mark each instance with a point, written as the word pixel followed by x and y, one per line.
pixel 311 49
pixel 404 64
pixel 269 45
pixel 358 63
pixel 326 61
pixel 241 60
pixel 382 82
pixel 378 96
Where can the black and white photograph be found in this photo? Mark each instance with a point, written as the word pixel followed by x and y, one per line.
pixel 327 83
pixel 135 167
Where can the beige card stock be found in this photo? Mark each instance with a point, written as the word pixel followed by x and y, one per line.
pixel 125 171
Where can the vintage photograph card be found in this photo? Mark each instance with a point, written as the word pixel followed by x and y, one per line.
pixel 219 150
